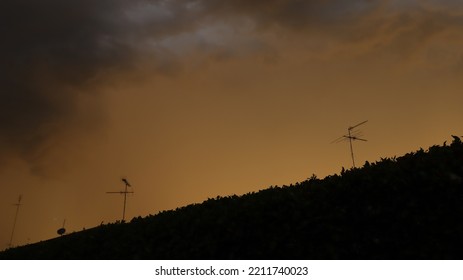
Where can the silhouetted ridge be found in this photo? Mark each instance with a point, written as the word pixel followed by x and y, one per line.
pixel 409 207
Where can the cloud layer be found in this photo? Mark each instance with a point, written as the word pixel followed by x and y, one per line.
pixel 53 52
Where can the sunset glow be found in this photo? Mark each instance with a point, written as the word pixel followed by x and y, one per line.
pixel 198 99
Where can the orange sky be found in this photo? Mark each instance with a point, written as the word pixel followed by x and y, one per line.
pixel 195 99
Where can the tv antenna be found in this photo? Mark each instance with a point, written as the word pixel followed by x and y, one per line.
pixel 15 219
pixel 62 230
pixel 352 135
pixel 125 192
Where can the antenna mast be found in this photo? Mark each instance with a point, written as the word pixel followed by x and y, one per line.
pixel 351 135
pixel 125 192
pixel 15 219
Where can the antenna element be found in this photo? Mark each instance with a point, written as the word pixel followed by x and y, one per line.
pixel 351 135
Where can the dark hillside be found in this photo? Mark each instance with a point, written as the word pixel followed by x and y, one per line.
pixel 409 207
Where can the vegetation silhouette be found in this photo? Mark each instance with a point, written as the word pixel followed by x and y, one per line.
pixel 410 207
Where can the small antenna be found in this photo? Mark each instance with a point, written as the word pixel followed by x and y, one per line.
pixel 62 230
pixel 351 135
pixel 15 219
pixel 125 192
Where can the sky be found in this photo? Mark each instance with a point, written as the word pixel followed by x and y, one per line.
pixel 195 99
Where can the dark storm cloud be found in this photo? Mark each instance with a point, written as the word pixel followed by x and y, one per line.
pixel 46 47
pixel 54 50
pixel 51 51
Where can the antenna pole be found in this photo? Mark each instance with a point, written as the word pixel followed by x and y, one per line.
pixel 351 148
pixel 125 192
pixel 125 201
pixel 15 219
